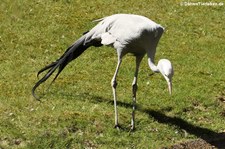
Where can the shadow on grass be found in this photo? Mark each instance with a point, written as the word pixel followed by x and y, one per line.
pixel 208 135
pixel 211 137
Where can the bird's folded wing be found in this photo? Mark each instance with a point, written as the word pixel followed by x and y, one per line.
pixel 107 38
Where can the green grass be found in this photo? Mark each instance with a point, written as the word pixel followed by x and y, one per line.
pixel 77 111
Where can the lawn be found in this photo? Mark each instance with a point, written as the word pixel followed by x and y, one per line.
pixel 77 111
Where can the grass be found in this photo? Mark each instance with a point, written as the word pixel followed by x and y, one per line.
pixel 77 111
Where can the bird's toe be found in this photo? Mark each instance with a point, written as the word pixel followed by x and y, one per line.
pixel 117 126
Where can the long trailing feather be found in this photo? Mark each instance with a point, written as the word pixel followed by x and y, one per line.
pixel 70 54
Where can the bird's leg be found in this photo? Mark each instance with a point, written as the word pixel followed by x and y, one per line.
pixel 134 90
pixel 114 84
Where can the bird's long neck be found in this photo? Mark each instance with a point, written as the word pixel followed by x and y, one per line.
pixel 152 66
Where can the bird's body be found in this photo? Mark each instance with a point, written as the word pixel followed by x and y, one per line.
pixel 127 33
pixel 132 33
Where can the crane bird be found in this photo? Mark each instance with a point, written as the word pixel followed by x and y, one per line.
pixel 127 33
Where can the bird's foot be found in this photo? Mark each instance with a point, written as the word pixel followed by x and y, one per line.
pixel 117 126
pixel 132 128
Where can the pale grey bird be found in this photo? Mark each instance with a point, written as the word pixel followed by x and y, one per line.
pixel 127 33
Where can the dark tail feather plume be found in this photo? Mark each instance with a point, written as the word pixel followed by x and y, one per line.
pixel 70 54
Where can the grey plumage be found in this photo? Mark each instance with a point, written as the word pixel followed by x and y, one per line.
pixel 127 34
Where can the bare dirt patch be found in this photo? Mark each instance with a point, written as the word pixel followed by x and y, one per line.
pixel 218 142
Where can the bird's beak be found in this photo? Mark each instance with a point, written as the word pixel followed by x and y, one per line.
pixel 170 87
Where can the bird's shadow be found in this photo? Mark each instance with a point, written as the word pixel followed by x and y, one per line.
pixel 208 135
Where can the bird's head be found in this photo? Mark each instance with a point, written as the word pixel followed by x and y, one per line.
pixel 166 69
